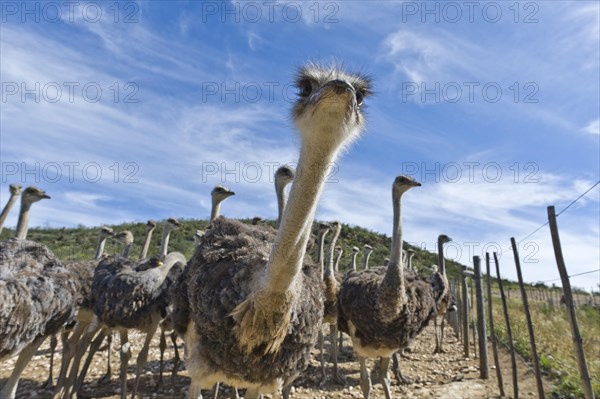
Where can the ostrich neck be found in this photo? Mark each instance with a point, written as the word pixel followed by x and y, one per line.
pixel 321 253
pixel 146 246
pixel 337 261
pixel 288 251
pixel 392 289
pixel 354 255
pixel 100 248
pixel 164 241
pixel 7 208
pixel 366 262
pixel 23 223
pixel 126 250
pixel 162 271
pixel 441 260
pixel 410 262
pixel 215 210
pixel 330 263
pixel 281 201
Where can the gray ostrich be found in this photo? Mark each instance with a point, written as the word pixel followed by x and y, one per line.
pixel 96 328
pixel 37 293
pixel 129 295
pixel 367 251
pixel 438 279
pixel 383 308
pixel 283 176
pixel 15 191
pixel 150 226
pixel 256 307
pixel 332 282
pixel 83 271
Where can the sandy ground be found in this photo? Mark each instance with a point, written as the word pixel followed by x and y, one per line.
pixel 447 375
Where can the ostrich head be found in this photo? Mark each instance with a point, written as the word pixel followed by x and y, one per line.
pixel 355 250
pixel 221 193
pixel 367 249
pixel 328 112
pixel 284 175
pixel 125 237
pixel 15 189
pixel 106 232
pixel 443 238
pixel 403 184
pixel 172 224
pixel 150 225
pixel 256 220
pixel 33 194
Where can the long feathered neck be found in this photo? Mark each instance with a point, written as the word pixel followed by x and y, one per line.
pixel 330 262
pixel 366 260
pixel 321 253
pixel 7 208
pixel 441 260
pixel 164 241
pixel 354 255
pixel 281 200
pixel 392 291
pixel 100 247
pixel 288 251
pixel 170 260
pixel 127 250
pixel 23 223
pixel 146 246
pixel 215 210
pixel 337 261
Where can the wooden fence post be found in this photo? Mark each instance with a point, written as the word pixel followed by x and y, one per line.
pixel 564 277
pixel 483 354
pixel 473 327
pixel 465 311
pixel 511 346
pixel 534 355
pixel 492 331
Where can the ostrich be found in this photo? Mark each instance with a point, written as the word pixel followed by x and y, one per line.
pixel 218 195
pixel 383 308
pixel 127 295
pixel 283 176
pixel 355 252
pixel 37 293
pixel 438 279
pixel 367 253
pixel 198 236
pixel 15 191
pixel 150 226
pixel 332 284
pixel 125 237
pixel 84 272
pixel 257 307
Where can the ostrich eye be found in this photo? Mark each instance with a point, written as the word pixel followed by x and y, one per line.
pixel 359 98
pixel 304 88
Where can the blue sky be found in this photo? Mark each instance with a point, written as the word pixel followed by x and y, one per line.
pixel 134 110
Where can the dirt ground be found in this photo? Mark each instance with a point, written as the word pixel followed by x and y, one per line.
pixel 446 376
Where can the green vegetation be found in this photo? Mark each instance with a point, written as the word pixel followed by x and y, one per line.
pixel 551 326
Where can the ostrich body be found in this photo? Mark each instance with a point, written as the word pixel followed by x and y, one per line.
pixel 15 191
pixel 367 251
pixel 283 176
pixel 383 308
pixel 256 308
pixel 37 293
pixel 150 226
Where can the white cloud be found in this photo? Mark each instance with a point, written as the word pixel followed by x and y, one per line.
pixel 593 127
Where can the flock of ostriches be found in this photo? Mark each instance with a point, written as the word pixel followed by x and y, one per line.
pixel 249 304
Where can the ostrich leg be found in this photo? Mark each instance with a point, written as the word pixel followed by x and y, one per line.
pixel 125 356
pixel 333 334
pixel 438 345
pixel 396 369
pixel 53 344
pixel 106 377
pixel 177 359
pixel 162 346
pixel 365 379
pixel 143 356
pixel 321 347
pixel 94 347
pixel 384 365
pixel 10 388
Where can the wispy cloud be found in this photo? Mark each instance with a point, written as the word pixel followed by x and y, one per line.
pixel 593 127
